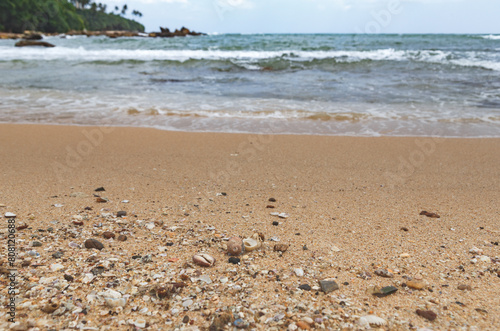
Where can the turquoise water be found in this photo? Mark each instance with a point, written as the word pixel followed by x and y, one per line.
pixel 368 85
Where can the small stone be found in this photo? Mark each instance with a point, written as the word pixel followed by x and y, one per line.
pixel 56 267
pixel 463 287
pixel 276 223
pixel 100 189
pixel 298 272
pixel 308 320
pixel 36 244
pixel 305 287
pixel 108 235
pixel 404 255
pixel 404 228
pixel 272 200
pixel 92 243
pixel 101 200
pixel 234 260
pixel 416 285
pixel 122 237
pixel 185 320
pixel 240 324
pixel 50 308
pixel 303 325
pixel 187 303
pixel 382 292
pixel 9 215
pixel 428 214
pixel 69 278
pixel 121 213
pixel 384 273
pixel 57 255
pixel 328 285
pixel 427 314
pixel 475 250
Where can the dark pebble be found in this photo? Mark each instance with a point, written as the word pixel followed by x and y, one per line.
pixel 92 243
pixel 97 270
pixel 305 287
pixel 69 278
pixel 404 228
pixel 272 200
pixel 36 244
pixel 234 260
pixel 100 189
pixel 136 257
pixel 427 314
pixel 121 213
pixel 185 320
pixel 170 244
pixel 305 248
pixel 108 235
pixel 328 285
pixel 122 237
pixel 57 255
pixel 276 223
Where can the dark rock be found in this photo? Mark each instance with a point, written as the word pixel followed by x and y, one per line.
pixel 24 43
pixel 121 213
pixel 92 243
pixel 427 314
pixel 276 223
pixel 97 270
pixel 101 200
pixel 185 320
pixel 269 206
pixel 69 278
pixel 404 229
pixel 100 189
pixel 385 291
pixel 431 215
pixel 122 237
pixel 108 235
pixel 33 36
pixel 305 287
pixel 328 285
pixel 36 244
pixel 57 255
pixel 234 260
pixel 272 200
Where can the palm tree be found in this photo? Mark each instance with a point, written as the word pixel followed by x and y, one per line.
pixel 137 13
pixel 124 9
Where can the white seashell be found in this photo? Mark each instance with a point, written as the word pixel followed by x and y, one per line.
pixel 250 244
pixel 9 215
pixel 140 323
pixel 114 302
pixel 371 320
pixel 299 272
pixel 203 260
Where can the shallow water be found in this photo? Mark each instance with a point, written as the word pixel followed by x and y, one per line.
pixel 445 85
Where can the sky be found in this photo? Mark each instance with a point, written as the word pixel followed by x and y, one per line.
pixel 318 16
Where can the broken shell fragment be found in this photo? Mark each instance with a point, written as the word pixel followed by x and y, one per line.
pixel 203 260
pixel 234 246
pixel 368 320
pixel 280 247
pixel 251 244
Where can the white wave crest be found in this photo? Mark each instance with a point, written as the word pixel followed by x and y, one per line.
pixel 492 37
pixel 246 58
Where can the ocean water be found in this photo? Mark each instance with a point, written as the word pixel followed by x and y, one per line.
pixel 329 84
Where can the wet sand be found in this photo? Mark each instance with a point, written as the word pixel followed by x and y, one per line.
pixel 353 207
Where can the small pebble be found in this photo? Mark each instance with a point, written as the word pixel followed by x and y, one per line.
pixel 305 287
pixel 427 314
pixel 234 260
pixel 328 285
pixel 93 243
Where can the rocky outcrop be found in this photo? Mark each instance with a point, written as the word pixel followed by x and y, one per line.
pixel 166 33
pixel 110 34
pixel 24 43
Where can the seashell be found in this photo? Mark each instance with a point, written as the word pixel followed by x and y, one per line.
pixel 234 246
pixel 115 302
pixel 49 308
pixel 251 244
pixel 371 320
pixel 203 260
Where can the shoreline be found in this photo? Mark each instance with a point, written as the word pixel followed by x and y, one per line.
pixel 353 202
pixel 251 133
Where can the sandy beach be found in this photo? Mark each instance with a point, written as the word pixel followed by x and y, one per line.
pixel 349 209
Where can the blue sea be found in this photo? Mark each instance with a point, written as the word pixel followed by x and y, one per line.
pixel 326 84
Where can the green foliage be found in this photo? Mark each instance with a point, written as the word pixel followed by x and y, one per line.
pixel 59 16
pixel 98 21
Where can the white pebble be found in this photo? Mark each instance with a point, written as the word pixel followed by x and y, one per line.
pixel 299 272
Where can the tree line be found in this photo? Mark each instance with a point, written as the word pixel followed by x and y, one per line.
pixel 62 16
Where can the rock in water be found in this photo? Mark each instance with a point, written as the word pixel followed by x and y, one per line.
pixel 92 243
pixel 23 43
